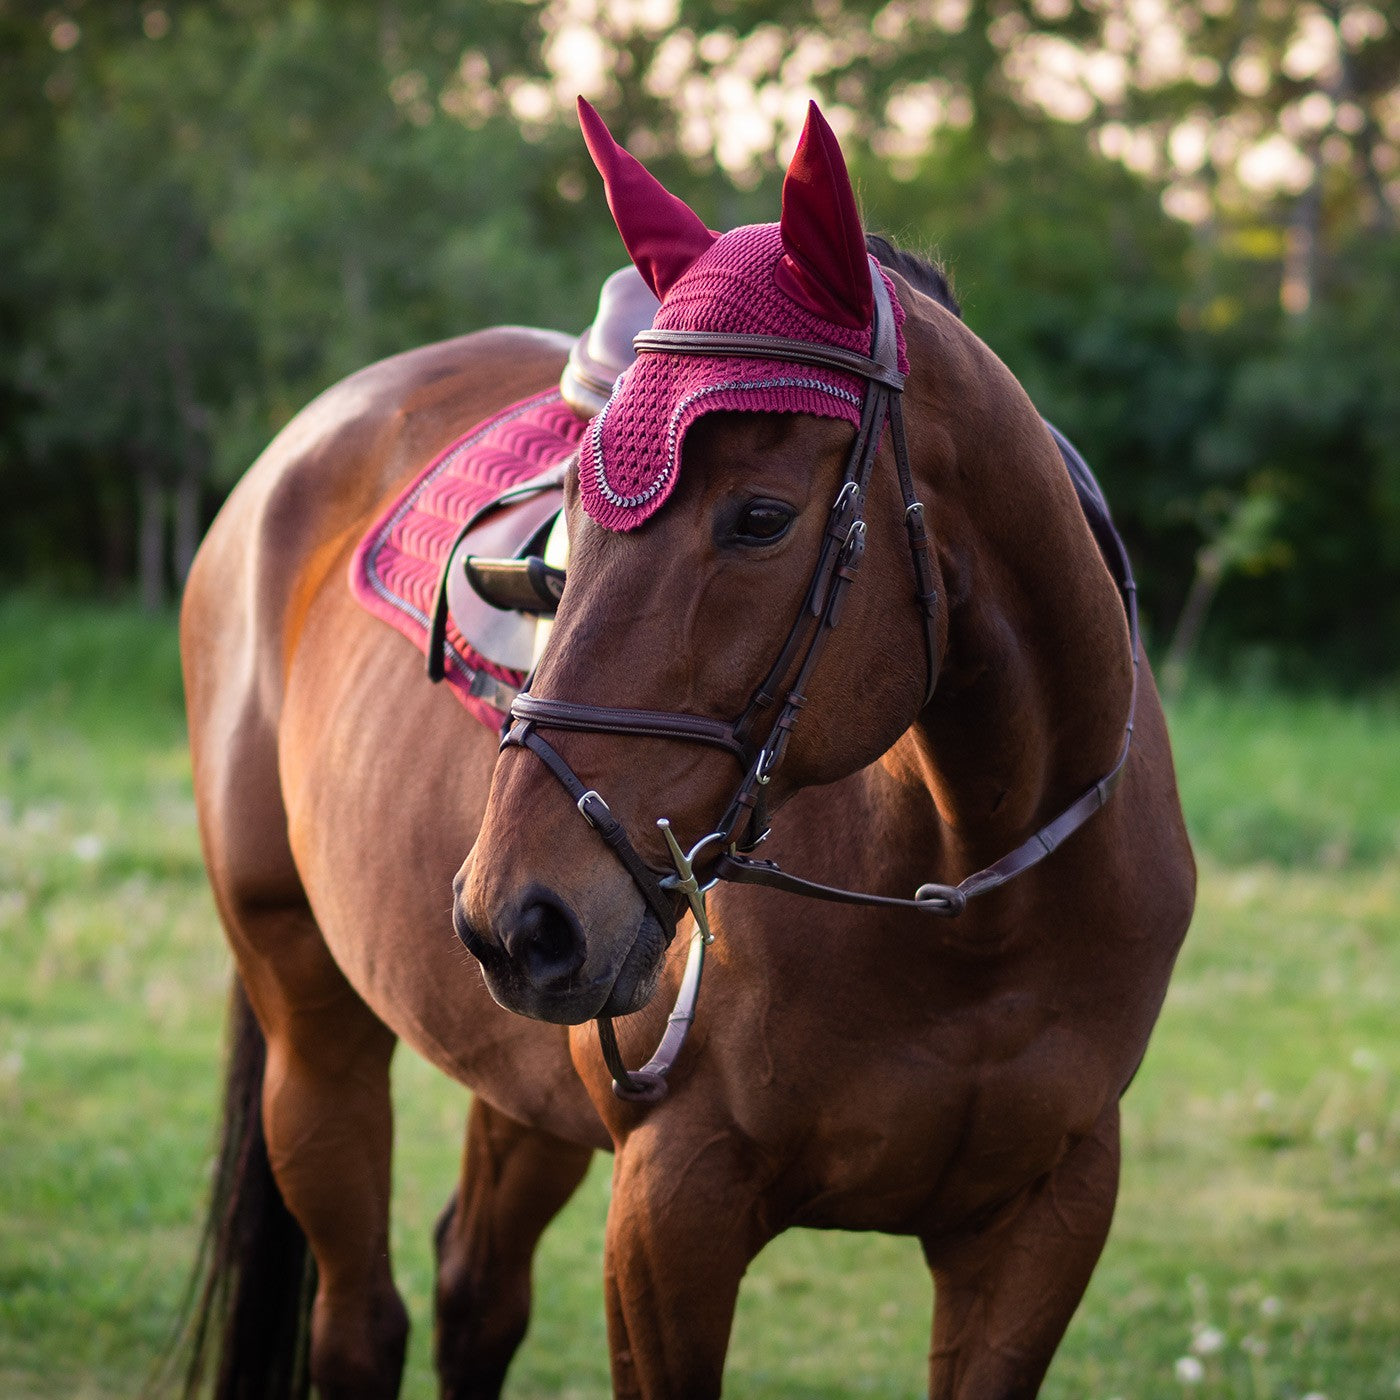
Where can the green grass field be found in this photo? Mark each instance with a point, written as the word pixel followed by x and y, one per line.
pixel 1256 1251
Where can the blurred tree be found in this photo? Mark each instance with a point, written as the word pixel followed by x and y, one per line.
pixel 144 344
pixel 1068 267
pixel 244 202
pixel 1175 222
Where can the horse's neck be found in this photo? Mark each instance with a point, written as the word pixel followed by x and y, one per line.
pixel 1034 691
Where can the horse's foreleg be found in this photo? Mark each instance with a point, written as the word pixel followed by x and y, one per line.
pixel 515 1180
pixel 329 1129
pixel 1004 1297
pixel 685 1221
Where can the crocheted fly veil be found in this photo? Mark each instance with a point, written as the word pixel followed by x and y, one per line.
pixel 804 278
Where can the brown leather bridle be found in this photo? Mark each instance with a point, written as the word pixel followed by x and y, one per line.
pixel 759 747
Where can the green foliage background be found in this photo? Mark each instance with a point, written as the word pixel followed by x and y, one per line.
pixel 215 208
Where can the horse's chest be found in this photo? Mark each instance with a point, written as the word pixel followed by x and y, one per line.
pixel 951 1123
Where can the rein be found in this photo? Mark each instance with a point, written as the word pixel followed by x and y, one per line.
pixel 745 822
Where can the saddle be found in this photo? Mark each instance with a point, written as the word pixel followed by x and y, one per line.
pixel 504 576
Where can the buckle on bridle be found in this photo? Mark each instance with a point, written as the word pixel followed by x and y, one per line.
pixel 842 508
pixel 592 795
pixel 763 769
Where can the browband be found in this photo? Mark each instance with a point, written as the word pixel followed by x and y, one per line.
pixel 767 347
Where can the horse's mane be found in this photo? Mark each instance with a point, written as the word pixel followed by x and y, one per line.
pixel 927 277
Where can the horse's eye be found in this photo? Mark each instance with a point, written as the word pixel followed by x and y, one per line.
pixel 763 522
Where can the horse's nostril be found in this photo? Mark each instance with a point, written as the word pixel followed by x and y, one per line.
pixel 546 942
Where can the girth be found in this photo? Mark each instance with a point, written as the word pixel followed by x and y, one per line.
pixel 758 739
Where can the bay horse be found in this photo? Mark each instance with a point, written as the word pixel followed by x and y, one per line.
pixel 942 1066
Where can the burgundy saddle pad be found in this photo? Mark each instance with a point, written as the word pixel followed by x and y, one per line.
pixel 395 570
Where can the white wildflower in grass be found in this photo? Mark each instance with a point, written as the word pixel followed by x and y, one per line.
pixel 1314 1395
pixel 1270 1306
pixel 1208 1341
pixel 1189 1371
pixel 88 847
pixel 1253 1346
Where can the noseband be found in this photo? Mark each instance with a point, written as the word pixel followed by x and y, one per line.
pixel 758 747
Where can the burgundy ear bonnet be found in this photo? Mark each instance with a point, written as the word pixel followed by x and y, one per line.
pixel 806 278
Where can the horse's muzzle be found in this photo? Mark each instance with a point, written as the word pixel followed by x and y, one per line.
pixel 536 961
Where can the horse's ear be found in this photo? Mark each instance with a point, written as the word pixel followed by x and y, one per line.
pixel 663 234
pixel 825 267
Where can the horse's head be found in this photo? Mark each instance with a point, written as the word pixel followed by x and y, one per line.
pixel 696 671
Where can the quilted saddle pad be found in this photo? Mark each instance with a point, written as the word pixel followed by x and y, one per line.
pixel 395 570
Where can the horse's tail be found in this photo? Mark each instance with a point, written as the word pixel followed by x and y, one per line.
pixel 247 1323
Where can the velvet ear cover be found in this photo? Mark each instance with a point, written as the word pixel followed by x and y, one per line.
pixel 663 235
pixel 825 266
